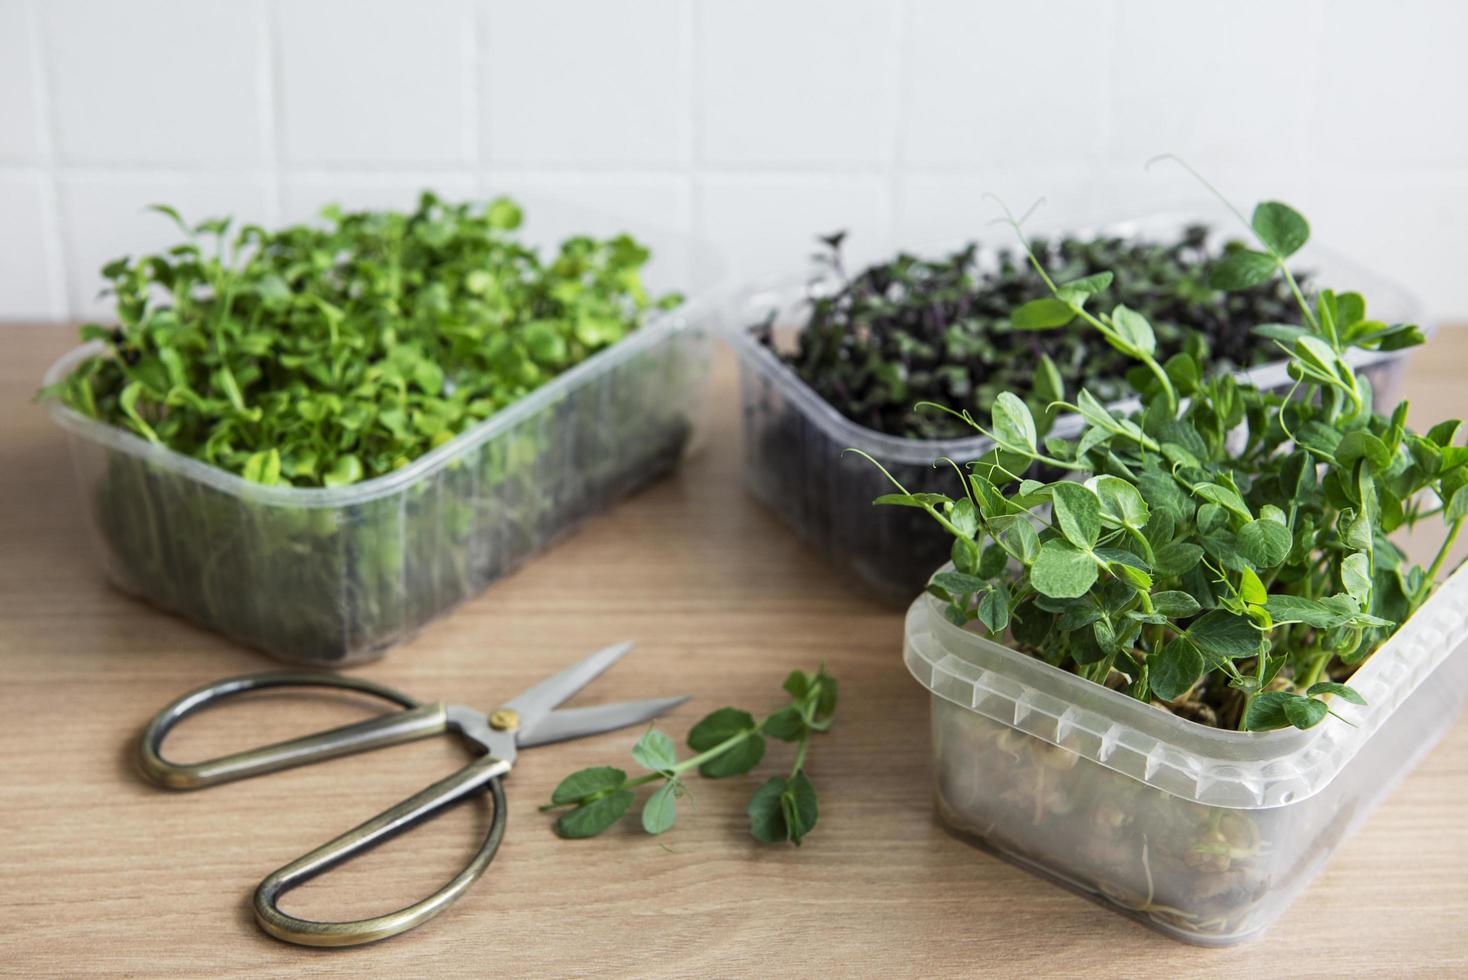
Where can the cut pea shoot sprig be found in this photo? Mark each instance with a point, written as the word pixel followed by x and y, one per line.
pixel 729 742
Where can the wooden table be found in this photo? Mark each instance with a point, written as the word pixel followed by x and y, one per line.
pixel 101 874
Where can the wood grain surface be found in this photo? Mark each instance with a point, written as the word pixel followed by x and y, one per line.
pixel 101 874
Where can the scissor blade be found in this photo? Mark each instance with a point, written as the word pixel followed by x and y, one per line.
pixel 537 702
pixel 568 723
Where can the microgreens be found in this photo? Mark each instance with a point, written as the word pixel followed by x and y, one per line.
pixel 728 742
pixel 962 328
pixel 1225 550
pixel 325 356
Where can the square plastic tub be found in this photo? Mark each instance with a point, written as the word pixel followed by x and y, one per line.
pixel 1204 834
pixel 334 576
pixel 793 438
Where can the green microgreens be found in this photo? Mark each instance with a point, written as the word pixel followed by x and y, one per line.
pixel 1226 551
pixel 324 356
pixel 728 742
pixel 963 328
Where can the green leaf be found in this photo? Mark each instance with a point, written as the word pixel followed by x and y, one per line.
pixel 1062 571
pixel 347 469
pixel 1342 691
pixel 1251 589
pixel 1175 669
pixel 1286 332
pixel 1175 605
pixel 993 562
pixel 719 726
pixel 1242 269
pixel 1264 542
pixel 766 816
pixel 1013 423
pixel 1457 508
pixel 586 782
pixel 1281 228
pixel 655 751
pixel 923 500
pixel 504 214
pixel 994 610
pixel 787 724
pixel 1224 635
pixel 1020 539
pixel 959 584
pixel 800 806
pixel 1356 577
pixel 737 760
pixel 661 809
pixel 1176 559
pixel 1049 386
pixel 964 517
pixel 1078 512
pixel 1266 711
pixel 1361 444
pixel 1312 612
pixel 783 810
pixel 1097 282
pixel 592 818
pixel 1305 712
pixel 1134 330
pixel 1121 503
pixel 1042 314
pixel 1225 498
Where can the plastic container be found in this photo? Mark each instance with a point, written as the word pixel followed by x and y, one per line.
pixel 1204 834
pixel 793 439
pixel 330 577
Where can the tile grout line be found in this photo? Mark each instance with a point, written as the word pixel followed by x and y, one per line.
pixel 471 50
pixel 267 91
pixel 690 27
pixel 58 289
pixel 900 107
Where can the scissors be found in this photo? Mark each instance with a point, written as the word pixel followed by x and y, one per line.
pixel 527 720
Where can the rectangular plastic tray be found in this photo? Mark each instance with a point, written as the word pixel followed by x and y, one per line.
pixel 1202 833
pixel 333 576
pixel 793 439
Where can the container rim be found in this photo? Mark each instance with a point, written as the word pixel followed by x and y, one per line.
pixel 657 328
pixel 1187 759
pixel 783 293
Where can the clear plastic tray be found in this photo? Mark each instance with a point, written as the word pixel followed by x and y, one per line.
pixel 330 577
pixel 793 439
pixel 1204 834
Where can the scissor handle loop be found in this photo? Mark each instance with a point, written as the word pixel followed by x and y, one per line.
pixel 309 932
pixel 417 721
pixel 414 722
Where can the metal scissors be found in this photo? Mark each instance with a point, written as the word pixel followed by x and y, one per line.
pixel 524 721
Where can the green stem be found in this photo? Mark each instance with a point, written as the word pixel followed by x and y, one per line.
pixel 1312 673
pixel 1430 578
pixel 682 767
pixel 799 756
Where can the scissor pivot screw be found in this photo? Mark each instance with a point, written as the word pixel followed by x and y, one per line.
pixel 504 720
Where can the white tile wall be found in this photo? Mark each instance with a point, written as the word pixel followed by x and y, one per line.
pixel 20 109
pixel 155 82
pixel 374 83
pixel 28 282
pixel 570 84
pixel 750 126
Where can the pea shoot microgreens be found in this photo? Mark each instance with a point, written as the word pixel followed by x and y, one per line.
pixel 1224 551
pixel 322 356
pixel 727 743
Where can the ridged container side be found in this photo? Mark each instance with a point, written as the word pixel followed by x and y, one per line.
pixel 334 576
pixel 1205 834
